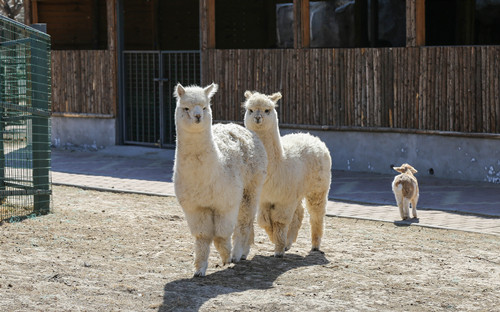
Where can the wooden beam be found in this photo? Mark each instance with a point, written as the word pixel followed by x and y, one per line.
pixel 34 12
pixel 420 22
pixel 301 24
pixel 28 16
pixel 207 24
pixel 415 23
pixel 112 22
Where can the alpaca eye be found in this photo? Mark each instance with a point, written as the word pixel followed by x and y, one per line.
pixel 267 111
pixel 186 109
pixel 204 108
pixel 251 111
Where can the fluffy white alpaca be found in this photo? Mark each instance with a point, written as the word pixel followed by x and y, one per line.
pixel 218 176
pixel 299 168
pixel 405 188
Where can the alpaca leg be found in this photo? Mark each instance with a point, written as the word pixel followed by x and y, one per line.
pixel 243 234
pixel 223 246
pixel 293 230
pixel 280 231
pixel 414 206
pixel 264 219
pixel 201 225
pixel 316 205
pixel 202 250
pixel 406 208
pixel 224 225
pixel 399 202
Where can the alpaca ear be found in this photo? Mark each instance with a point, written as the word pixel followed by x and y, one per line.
pixel 398 169
pixel 210 90
pixel 275 97
pixel 413 170
pixel 179 91
pixel 248 94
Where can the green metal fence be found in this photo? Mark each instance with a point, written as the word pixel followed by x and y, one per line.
pixel 25 106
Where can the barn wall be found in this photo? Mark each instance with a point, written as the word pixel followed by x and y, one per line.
pixel 425 88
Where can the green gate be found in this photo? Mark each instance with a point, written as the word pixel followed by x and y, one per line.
pixel 25 106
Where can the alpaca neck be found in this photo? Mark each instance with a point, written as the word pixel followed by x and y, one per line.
pixel 200 144
pixel 272 143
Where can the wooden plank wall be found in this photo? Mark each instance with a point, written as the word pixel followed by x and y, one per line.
pixel 424 88
pixel 83 82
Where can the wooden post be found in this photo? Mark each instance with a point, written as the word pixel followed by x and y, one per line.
pixel 301 31
pixel 207 24
pixel 28 16
pixel 415 23
pixel 111 18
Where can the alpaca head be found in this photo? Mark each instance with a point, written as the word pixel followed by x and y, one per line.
pixel 406 168
pixel 260 112
pixel 193 112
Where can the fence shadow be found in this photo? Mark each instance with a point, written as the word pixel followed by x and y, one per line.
pixel 258 273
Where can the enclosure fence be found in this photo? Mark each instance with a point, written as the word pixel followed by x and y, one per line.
pixel 25 105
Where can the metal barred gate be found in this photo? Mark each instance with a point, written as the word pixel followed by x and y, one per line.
pixel 149 80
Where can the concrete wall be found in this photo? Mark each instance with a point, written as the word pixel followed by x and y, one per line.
pixel 441 156
pixel 96 132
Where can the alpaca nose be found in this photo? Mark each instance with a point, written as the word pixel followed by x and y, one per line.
pixel 198 118
pixel 258 119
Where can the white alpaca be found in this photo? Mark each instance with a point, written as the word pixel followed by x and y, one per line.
pixel 218 176
pixel 405 188
pixel 299 168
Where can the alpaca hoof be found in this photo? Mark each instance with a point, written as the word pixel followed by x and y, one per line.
pixel 243 257
pixel 316 249
pixel 278 255
pixel 199 274
pixel 236 260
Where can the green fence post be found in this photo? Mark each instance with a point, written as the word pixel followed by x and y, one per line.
pixel 2 131
pixel 41 88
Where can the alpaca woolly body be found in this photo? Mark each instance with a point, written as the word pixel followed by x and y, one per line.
pixel 299 168
pixel 406 192
pixel 219 171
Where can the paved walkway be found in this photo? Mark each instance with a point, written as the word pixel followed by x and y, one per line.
pixel 450 204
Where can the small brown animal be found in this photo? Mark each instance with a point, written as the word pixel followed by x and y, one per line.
pixel 405 188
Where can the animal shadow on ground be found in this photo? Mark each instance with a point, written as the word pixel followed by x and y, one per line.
pixel 406 222
pixel 258 273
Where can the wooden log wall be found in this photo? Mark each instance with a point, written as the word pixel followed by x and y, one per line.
pixel 423 88
pixel 83 82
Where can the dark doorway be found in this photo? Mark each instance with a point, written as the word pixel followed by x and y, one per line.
pixel 160 48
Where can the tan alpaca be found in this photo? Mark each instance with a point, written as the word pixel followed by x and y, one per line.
pixel 298 173
pixel 405 188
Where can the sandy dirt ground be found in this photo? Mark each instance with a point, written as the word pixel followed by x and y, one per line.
pixel 103 251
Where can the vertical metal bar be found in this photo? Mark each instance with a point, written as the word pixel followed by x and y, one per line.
pixel 172 104
pixel 136 106
pixel 156 100
pixel 130 123
pixel 161 94
pixel 142 118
